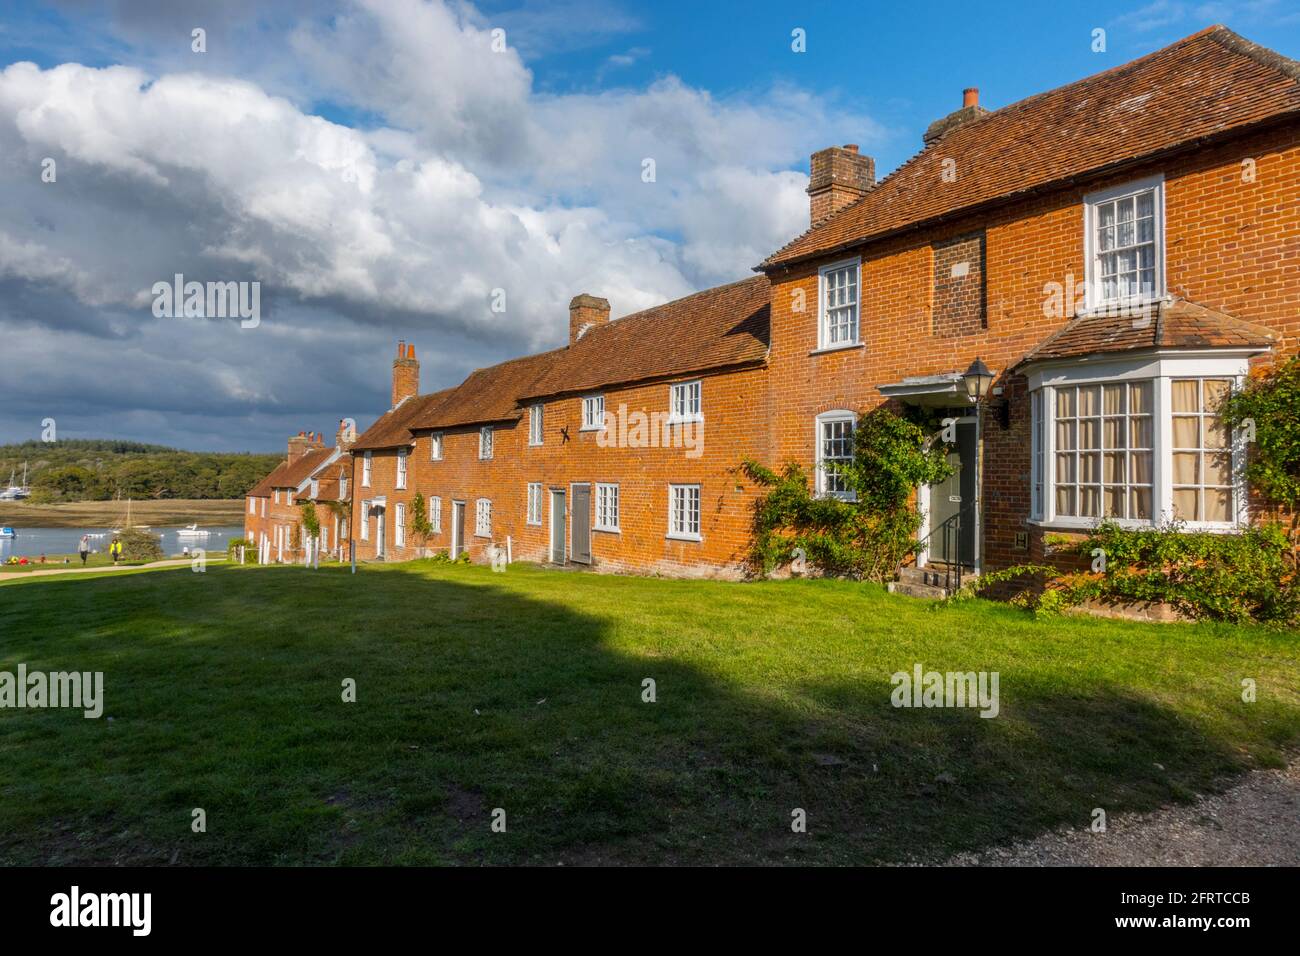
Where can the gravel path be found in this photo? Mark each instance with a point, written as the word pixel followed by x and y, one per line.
pixel 1256 823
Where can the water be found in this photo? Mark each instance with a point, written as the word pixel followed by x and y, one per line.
pixel 33 542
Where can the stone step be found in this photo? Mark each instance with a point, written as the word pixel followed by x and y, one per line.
pixel 917 590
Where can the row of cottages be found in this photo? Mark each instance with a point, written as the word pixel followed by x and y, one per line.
pixel 1118 252
pixel 310 472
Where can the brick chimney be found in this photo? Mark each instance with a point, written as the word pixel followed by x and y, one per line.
pixel 297 446
pixel 839 176
pixel 406 374
pixel 585 312
pixel 346 436
pixel 970 109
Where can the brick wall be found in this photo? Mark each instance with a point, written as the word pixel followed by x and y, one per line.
pixel 735 412
pixel 1230 245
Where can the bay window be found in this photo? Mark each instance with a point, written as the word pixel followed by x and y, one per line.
pixel 1139 442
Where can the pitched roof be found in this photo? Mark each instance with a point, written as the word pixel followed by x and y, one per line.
pixel 1176 324
pixel 302 467
pixel 1202 86
pixel 392 429
pixel 488 394
pixel 717 328
pixel 268 484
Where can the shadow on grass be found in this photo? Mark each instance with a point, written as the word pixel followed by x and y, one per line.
pixel 224 691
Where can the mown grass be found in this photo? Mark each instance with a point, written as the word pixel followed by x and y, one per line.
pixel 523 691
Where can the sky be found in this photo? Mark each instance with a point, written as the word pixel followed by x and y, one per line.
pixel 448 174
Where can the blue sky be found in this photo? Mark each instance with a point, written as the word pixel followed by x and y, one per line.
pixel 380 171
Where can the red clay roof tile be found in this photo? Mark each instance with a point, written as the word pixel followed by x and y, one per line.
pixel 1202 86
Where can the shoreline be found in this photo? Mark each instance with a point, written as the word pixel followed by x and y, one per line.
pixel 166 513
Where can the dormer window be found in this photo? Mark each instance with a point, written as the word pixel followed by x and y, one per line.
pixel 1125 244
pixel 838 288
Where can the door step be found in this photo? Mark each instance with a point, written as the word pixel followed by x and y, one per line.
pixel 926 582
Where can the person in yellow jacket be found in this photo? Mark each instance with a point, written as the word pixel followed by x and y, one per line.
pixel 115 550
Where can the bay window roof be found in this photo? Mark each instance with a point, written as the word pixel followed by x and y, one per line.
pixel 1167 324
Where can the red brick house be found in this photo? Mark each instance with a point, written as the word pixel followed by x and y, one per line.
pixel 1118 251
pixel 310 472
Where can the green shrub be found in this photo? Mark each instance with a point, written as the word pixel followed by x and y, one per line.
pixel 1271 404
pixel 865 538
pixel 140 545
pixel 1243 577
pixel 232 551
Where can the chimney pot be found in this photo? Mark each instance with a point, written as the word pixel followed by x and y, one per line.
pixel 970 97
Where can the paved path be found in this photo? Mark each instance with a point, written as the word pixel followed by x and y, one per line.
pixel 1256 823
pixel 169 563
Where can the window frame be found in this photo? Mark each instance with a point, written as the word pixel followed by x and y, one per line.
pixel 435 513
pixel 486 443
pixel 399 524
pixel 536 425
pixel 1161 370
pixel 365 519
pixel 399 482
pixel 482 517
pixel 683 418
pixel 1093 301
pixel 586 424
pixel 603 489
pixel 534 487
pixel 677 535
pixel 826 418
pixel 435 446
pixel 824 344
pixel 365 469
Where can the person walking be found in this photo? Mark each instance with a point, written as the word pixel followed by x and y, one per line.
pixel 83 548
pixel 115 550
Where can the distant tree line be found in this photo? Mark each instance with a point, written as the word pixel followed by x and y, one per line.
pixel 91 470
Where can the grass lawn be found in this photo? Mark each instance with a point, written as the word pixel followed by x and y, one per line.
pixel 523 691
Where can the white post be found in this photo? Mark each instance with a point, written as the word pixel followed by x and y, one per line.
pixel 510 550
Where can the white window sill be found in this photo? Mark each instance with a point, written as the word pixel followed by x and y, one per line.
pixel 689 420
pixel 675 536
pixel 1122 306
pixel 847 497
pixel 1131 524
pixel 534 524
pixel 592 428
pixel 825 349
pixel 484 457
pixel 479 534
pixel 607 530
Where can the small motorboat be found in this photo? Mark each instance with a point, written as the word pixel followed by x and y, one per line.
pixel 191 531
pixel 7 532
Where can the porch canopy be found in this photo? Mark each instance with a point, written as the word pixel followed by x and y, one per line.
pixel 944 390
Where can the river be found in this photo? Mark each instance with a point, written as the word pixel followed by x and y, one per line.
pixel 33 542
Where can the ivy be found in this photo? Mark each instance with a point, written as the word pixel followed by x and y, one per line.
pixel 1269 405
pixel 865 538
pixel 417 522
pixel 310 520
